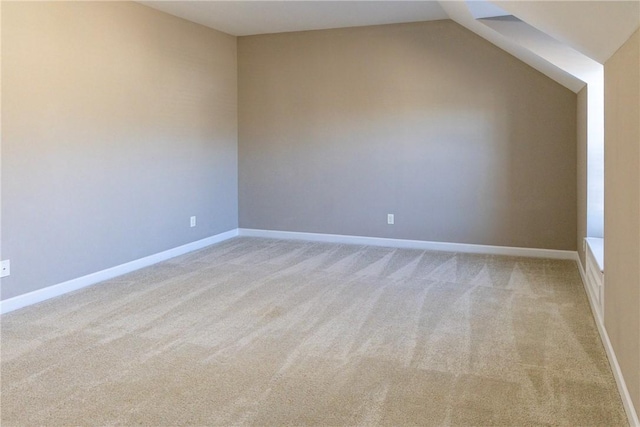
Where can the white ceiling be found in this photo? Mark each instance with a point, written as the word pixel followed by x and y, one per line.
pixel 243 18
pixel 459 12
pixel 546 47
pixel 594 28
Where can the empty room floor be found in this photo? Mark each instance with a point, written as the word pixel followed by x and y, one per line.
pixel 272 332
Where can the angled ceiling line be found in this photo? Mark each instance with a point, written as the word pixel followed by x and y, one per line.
pixel 594 28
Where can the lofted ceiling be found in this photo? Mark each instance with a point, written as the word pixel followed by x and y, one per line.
pixel 596 29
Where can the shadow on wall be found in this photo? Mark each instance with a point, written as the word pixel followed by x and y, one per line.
pixel 462 142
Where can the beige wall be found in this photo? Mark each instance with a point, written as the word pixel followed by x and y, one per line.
pixel 622 210
pixel 461 141
pixel 581 137
pixel 119 123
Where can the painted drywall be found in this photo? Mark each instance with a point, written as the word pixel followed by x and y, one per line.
pixel 461 141
pixel 581 137
pixel 119 123
pixel 622 210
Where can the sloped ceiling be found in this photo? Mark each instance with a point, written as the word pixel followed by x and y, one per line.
pixel 594 28
pixel 459 12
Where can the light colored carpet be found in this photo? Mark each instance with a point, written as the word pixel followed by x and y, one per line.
pixel 266 332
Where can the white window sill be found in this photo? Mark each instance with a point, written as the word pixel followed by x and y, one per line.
pixel 596 246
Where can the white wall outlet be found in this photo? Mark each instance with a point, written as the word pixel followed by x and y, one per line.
pixel 390 219
pixel 193 221
pixel 5 268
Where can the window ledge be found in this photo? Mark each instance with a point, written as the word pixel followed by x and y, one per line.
pixel 596 247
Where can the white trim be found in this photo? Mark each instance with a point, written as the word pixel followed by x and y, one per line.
pixel 410 244
pixel 594 274
pixel 592 298
pixel 40 295
pixel 596 246
pixel 627 402
pixel 43 294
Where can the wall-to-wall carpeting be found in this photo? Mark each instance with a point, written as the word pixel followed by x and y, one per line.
pixel 267 332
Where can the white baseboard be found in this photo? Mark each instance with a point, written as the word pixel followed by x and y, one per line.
pixel 410 244
pixel 40 295
pixel 627 402
pixel 469 248
pixel 53 291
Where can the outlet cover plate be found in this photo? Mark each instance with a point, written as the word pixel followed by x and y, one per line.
pixel 5 269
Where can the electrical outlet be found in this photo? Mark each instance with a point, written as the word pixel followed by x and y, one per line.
pixel 5 269
pixel 390 219
pixel 193 221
